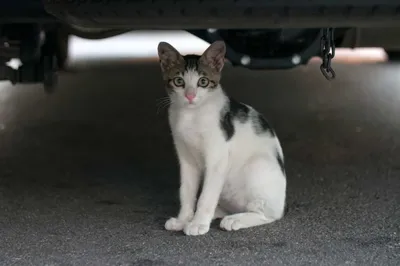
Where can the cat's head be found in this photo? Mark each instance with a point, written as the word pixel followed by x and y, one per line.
pixel 191 79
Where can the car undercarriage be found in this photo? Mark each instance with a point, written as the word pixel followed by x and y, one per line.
pixel 259 34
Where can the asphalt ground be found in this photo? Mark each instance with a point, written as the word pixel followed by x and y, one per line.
pixel 88 175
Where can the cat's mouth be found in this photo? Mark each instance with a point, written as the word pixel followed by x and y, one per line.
pixel 191 104
pixel 191 101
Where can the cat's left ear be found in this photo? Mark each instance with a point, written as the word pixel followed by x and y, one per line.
pixel 168 55
pixel 214 56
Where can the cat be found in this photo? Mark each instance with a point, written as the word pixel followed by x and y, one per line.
pixel 225 145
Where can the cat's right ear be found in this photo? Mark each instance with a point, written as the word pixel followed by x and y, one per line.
pixel 168 55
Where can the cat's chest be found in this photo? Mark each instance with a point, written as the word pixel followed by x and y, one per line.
pixel 193 128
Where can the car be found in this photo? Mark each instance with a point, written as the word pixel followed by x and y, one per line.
pixel 259 34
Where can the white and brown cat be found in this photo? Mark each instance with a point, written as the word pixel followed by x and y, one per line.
pixel 225 144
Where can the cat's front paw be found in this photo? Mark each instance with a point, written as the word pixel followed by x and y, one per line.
pixel 174 224
pixel 195 229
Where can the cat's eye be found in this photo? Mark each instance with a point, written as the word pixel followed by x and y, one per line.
pixel 179 82
pixel 203 82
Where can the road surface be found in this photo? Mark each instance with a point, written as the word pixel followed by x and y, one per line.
pixel 88 176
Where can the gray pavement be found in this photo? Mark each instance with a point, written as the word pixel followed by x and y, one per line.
pixel 88 176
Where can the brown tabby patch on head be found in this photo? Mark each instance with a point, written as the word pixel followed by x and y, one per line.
pixel 209 64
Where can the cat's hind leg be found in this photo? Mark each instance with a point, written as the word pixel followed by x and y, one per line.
pixel 264 189
pixel 254 217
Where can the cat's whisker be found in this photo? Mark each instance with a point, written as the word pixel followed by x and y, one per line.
pixel 160 107
pixel 163 103
pixel 162 99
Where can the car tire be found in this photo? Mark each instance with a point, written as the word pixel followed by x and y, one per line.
pixel 393 55
pixel 62 48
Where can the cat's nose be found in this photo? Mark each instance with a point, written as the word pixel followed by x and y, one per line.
pixel 190 96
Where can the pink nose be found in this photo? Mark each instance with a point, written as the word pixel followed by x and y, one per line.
pixel 190 96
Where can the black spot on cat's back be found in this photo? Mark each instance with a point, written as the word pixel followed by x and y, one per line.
pixel 239 110
pixel 226 125
pixel 281 162
pixel 233 110
pixel 261 125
